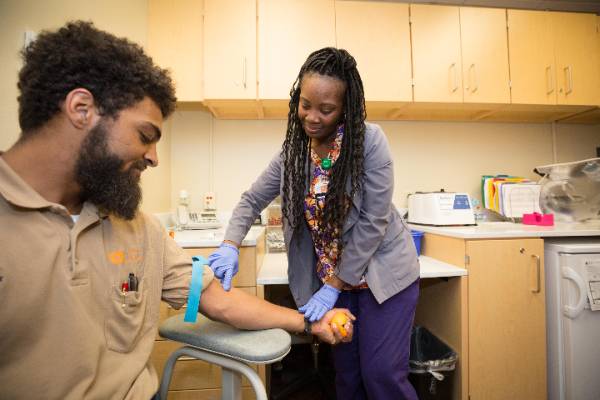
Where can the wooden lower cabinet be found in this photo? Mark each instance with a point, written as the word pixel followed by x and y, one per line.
pixel 207 394
pixel 199 380
pixel 494 318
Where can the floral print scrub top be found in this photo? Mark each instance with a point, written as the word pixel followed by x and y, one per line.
pixel 325 243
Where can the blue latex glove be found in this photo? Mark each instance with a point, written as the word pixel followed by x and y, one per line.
pixel 224 263
pixel 321 302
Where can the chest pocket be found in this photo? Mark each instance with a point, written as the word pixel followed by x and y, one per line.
pixel 126 318
pixel 127 313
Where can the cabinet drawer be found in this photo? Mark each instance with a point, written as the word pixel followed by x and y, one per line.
pixel 207 394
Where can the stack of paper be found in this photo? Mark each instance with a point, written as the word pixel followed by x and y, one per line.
pixel 511 196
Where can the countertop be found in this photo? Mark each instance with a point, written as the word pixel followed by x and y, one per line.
pixel 213 237
pixel 274 269
pixel 497 230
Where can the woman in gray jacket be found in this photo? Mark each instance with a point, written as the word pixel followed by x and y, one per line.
pixel 346 243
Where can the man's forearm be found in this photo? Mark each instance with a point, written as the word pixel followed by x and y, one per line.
pixel 245 311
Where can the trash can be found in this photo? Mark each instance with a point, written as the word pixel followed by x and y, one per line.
pixel 431 365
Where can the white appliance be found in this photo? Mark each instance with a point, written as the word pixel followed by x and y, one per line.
pixel 206 219
pixel 572 325
pixel 440 209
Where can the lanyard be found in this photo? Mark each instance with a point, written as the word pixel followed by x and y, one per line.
pixel 191 313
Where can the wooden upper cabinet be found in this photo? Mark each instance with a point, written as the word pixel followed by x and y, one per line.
pixel 230 49
pixel 437 67
pixel 288 31
pixel 531 55
pixel 175 43
pixel 576 58
pixel 484 55
pixel 553 58
pixel 381 49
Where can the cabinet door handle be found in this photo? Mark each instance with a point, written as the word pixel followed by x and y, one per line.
pixel 538 272
pixel 475 85
pixel 573 311
pixel 244 81
pixel 549 80
pixel 568 79
pixel 452 77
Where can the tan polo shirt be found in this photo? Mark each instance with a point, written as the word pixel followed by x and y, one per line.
pixel 67 331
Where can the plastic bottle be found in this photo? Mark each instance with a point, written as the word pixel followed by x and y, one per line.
pixel 478 212
pixel 182 210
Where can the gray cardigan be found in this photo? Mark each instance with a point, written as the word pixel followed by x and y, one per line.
pixel 377 242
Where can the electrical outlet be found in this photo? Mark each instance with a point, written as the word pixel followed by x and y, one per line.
pixel 210 202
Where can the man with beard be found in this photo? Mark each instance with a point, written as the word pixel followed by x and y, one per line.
pixel 91 108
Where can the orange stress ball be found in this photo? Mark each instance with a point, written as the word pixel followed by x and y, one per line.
pixel 340 319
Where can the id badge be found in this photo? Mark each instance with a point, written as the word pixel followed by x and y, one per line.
pixel 321 188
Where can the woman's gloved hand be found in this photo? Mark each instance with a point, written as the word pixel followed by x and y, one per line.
pixel 224 263
pixel 321 302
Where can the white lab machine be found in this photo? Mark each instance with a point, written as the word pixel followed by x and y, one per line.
pixel 440 209
pixel 573 318
pixel 206 219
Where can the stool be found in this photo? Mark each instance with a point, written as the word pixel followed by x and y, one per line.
pixel 226 346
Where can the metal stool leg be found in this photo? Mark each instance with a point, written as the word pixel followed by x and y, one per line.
pixel 231 383
pixel 231 378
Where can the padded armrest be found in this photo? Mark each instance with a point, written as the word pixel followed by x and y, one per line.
pixel 257 347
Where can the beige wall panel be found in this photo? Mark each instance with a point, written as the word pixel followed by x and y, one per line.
pixel 123 18
pixel 191 156
pixel 156 182
pixel 242 151
pixel 427 155
pixel 576 142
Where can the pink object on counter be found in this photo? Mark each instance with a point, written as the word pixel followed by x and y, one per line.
pixel 538 219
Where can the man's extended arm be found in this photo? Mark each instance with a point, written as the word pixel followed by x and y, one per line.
pixel 245 311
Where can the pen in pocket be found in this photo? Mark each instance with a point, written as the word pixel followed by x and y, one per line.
pixel 133 282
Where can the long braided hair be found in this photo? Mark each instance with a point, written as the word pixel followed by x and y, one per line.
pixel 337 63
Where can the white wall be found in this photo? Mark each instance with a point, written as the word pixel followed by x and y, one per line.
pixel 123 18
pixel 427 155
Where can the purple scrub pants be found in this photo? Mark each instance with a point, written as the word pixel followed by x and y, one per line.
pixel 374 365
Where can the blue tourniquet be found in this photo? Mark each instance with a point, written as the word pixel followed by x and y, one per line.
pixel 191 313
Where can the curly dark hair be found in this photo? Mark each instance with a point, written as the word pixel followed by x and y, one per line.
pixel 337 63
pixel 115 70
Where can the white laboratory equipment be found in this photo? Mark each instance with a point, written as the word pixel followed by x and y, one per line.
pixel 206 219
pixel 573 318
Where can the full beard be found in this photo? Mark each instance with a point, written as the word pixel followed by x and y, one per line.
pixel 102 179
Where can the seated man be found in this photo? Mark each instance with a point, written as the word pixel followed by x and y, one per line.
pixel 91 107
